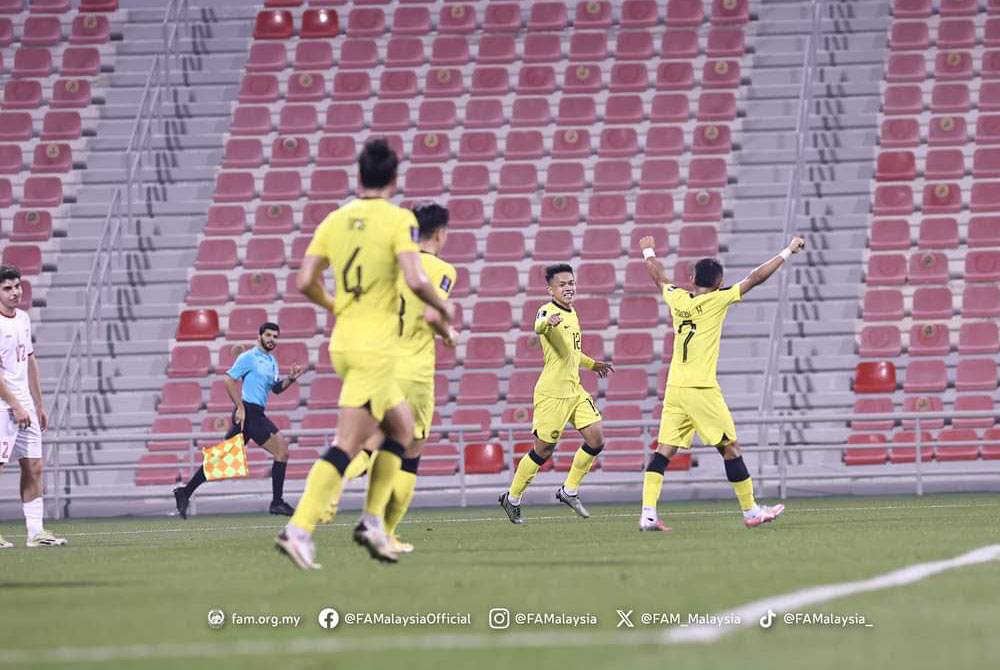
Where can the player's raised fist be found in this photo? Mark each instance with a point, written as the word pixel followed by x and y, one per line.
pixel 647 242
pixel 797 244
pixel 554 320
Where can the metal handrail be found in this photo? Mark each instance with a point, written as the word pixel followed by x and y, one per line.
pixel 792 200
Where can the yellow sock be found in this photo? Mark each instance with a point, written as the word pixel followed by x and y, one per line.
pixel 399 501
pixel 381 475
pixel 526 471
pixel 358 466
pixel 744 493
pixel 323 484
pixel 651 485
pixel 581 466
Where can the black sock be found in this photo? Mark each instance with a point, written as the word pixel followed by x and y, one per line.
pixel 736 470
pixel 658 463
pixel 278 480
pixel 197 480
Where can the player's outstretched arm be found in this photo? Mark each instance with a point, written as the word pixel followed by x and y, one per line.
pixel 416 279
pixel 655 268
pixel 309 281
pixel 761 273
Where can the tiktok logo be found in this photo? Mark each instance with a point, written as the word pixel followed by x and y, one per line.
pixel 767 620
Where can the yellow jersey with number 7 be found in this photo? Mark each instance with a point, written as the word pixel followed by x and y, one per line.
pixel 697 331
pixel 361 240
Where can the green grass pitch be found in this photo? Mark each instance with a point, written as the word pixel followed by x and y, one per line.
pixel 134 593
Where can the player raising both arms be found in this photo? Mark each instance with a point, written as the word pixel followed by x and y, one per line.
pixel 693 400
pixel 415 368
pixel 559 397
pixel 22 413
pixel 365 243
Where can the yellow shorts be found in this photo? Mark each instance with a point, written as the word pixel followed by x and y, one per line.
pixel 420 397
pixel 688 409
pixel 369 381
pixel 552 415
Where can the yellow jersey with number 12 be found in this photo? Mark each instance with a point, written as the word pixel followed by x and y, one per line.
pixel 697 331
pixel 562 351
pixel 416 346
pixel 361 240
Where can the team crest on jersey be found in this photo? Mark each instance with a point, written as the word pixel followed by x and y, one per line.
pixel 446 284
pixel 555 434
pixel 541 314
pixel 358 224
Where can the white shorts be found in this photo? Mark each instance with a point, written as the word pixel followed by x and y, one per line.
pixel 17 443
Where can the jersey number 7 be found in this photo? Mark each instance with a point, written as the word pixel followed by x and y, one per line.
pixel 687 340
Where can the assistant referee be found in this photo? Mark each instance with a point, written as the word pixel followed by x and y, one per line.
pixel 258 370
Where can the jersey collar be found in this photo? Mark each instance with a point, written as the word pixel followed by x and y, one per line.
pixel 568 311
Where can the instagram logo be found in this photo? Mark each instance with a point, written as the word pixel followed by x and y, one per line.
pixel 499 618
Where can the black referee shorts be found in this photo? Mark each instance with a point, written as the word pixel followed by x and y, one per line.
pixel 256 425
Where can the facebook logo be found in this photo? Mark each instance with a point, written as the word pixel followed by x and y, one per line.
pixel 328 618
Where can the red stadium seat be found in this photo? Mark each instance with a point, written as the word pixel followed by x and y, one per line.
pixel 599 243
pixel 909 36
pixel 674 76
pixel 553 245
pixel 273 25
pixel 978 337
pixel 928 267
pixel 880 342
pixel 698 241
pixel 208 290
pixel 273 220
pixel 198 324
pixel 957 66
pixel 244 323
pixel 497 49
pixel 707 173
pixel 483 459
pixel 527 352
pixel 932 302
pixel 898 133
pixel 465 416
pixel 973 403
pixel 485 352
pixel 170 424
pixel 965 452
pixel 935 233
pixel 450 50
pixel 80 62
pixel 157 470
pixel 928 339
pixel 981 302
pixel 324 393
pixel 298 321
pixel 179 398
pixel 956 34
pixel 628 384
pixel 890 235
pixel 521 386
pixel 679 44
pixel 320 24
pixel 982 266
pixel 594 313
pixel 438 460
pixel 478 388
pixel 42 192
pixel 504 246
pixel 411 21
pixel 626 78
pixel 906 68
pixel 991 444
pixel 685 13
pixel 929 404
pixel 860 456
pixel 947 131
pixel 502 17
pixel 493 316
pixel 875 377
pixel 909 454
pixel 510 212
pixel 632 348
pixel 189 361
pixel 31 226
pixel 976 375
pixel 27 258
pixel 883 305
pixel 32 62
pixel 886 270
pixel 925 377
pixel 873 406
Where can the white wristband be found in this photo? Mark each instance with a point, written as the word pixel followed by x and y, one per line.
pixel 648 253
pixel 786 254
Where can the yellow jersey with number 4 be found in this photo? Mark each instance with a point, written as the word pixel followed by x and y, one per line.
pixel 361 240
pixel 416 346
pixel 562 351
pixel 697 331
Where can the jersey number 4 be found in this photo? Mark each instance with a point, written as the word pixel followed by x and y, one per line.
pixel 687 340
pixel 356 289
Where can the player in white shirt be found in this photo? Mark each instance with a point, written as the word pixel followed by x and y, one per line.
pixel 22 413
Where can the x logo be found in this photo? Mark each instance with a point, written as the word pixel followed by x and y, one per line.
pixel 624 619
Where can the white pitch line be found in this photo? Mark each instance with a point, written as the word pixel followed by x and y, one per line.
pixel 791 510
pixel 749 613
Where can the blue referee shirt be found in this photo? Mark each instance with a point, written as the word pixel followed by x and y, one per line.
pixel 258 371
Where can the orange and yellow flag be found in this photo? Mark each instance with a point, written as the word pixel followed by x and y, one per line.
pixel 226 460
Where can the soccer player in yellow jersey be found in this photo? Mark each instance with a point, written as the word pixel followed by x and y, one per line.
pixel 415 368
pixel 365 243
pixel 693 401
pixel 559 397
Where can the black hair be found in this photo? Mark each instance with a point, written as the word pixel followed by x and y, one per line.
pixel 430 218
pixel 552 270
pixel 9 272
pixel 707 273
pixel 377 164
pixel 268 325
